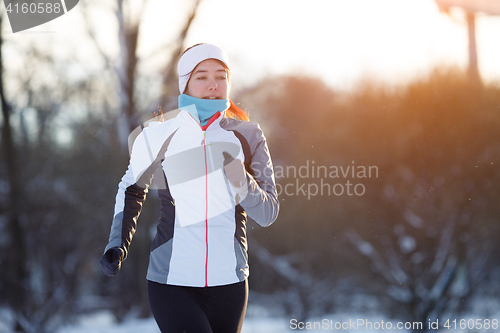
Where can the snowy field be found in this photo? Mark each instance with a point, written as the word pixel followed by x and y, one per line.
pixel 257 321
pixel 103 323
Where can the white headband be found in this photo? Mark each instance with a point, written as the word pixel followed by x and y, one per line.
pixel 192 57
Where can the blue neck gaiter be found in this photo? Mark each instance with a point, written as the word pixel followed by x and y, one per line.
pixel 202 109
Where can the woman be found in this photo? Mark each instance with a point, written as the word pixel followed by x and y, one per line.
pixel 211 170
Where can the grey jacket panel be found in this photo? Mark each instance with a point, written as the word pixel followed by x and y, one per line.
pixel 159 263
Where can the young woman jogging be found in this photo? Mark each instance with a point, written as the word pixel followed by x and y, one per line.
pixel 213 169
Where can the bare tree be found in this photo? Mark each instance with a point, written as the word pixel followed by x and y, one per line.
pixel 18 287
pixel 303 293
pixel 14 278
pixel 125 69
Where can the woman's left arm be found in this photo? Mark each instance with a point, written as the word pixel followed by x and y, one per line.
pixel 261 202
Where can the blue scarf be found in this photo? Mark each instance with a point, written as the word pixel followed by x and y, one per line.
pixel 202 109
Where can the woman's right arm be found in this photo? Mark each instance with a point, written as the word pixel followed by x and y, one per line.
pixel 132 191
pixel 148 149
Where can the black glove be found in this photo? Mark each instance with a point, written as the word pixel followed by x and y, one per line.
pixel 235 172
pixel 111 261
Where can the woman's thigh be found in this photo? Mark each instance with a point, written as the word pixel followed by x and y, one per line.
pixel 175 311
pixel 218 309
pixel 227 307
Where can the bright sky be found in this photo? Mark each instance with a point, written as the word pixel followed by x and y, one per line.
pixel 341 40
pixel 337 40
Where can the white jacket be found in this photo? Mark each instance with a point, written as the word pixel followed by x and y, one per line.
pixel 201 236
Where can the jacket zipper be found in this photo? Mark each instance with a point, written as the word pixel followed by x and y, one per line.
pixel 206 208
pixel 206 201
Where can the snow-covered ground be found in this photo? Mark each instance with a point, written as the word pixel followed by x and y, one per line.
pixel 349 323
pixel 258 320
pixel 103 323
pixel 255 322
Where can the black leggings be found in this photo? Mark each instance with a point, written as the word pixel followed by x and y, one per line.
pixel 178 309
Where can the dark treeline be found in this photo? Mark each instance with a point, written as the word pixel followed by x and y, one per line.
pixel 418 234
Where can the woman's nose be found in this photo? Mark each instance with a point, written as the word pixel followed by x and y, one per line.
pixel 212 85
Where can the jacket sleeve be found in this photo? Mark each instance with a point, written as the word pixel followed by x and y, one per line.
pixel 261 202
pixel 132 191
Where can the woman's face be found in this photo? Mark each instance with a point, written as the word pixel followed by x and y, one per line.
pixel 209 80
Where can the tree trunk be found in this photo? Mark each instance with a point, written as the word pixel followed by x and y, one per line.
pixel 473 69
pixel 14 272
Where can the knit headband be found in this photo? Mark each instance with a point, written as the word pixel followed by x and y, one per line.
pixel 192 57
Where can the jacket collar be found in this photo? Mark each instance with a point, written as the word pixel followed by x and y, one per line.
pixel 212 123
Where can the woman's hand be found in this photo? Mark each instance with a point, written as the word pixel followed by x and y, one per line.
pixel 111 261
pixel 237 176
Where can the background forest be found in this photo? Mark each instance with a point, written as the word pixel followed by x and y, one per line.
pixel 419 236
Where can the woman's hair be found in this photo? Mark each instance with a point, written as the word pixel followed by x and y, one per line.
pixel 236 112
pixel 233 111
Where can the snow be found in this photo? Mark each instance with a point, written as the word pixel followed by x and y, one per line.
pixel 103 322
pixel 257 321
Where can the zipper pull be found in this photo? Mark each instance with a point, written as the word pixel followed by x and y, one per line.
pixel 203 141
